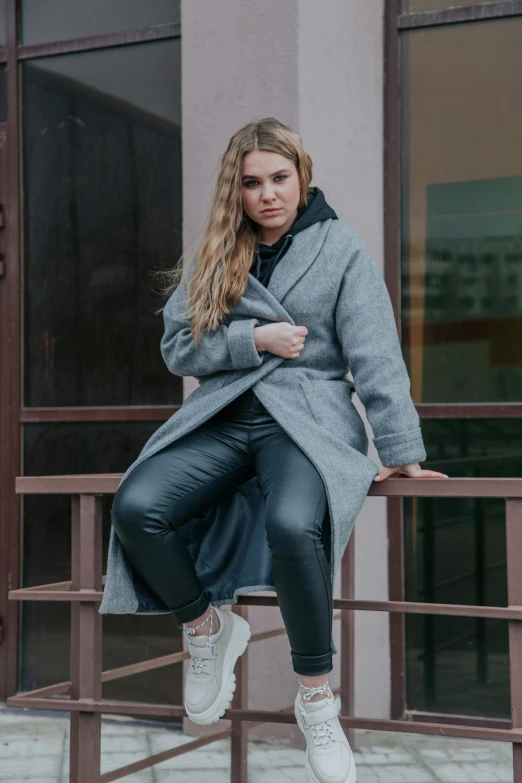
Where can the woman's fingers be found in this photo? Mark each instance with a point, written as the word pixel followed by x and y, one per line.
pixel 425 474
pixel 384 473
pixel 387 472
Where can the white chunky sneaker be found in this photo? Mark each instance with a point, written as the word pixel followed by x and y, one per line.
pixel 210 681
pixel 329 758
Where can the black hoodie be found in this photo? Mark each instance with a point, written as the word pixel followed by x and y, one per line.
pixel 267 256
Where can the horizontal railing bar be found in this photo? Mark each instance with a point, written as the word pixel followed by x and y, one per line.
pixel 92 414
pixel 475 487
pixel 31 594
pixel 457 719
pixel 266 716
pixel 67 705
pixel 403 726
pixel 54 586
pixel 101 484
pixel 50 586
pixel 82 484
pixel 401 607
pixel 450 610
pixel 47 691
pixel 144 666
pixel 404 607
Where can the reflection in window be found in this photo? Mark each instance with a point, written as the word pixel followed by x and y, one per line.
pixel 56 20
pixel 3 94
pixel 102 168
pixel 437 5
pixel 455 552
pixel 46 555
pixel 462 211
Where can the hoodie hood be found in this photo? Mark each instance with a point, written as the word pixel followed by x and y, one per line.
pixel 266 257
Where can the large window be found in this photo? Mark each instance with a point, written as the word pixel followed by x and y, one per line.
pixel 461 329
pixel 462 211
pixel 90 124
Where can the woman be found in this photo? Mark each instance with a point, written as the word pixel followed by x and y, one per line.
pixel 255 483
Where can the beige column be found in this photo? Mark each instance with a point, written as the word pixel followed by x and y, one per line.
pixel 341 122
pixel 317 67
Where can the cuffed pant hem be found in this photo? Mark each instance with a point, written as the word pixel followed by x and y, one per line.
pixel 312 665
pixel 185 614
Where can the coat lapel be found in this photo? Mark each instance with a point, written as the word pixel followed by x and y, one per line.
pixel 297 260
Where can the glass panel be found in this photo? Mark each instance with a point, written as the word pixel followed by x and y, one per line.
pixel 436 5
pixel 84 448
pixel 455 552
pixel 56 20
pixel 3 94
pixel 2 22
pixel 462 211
pixel 102 190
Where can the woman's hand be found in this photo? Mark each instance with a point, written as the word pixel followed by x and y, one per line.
pixel 280 338
pixel 413 470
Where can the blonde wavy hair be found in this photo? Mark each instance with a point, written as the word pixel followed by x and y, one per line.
pixel 222 258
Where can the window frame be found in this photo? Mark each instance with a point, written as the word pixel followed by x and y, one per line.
pixel 396 22
pixel 12 415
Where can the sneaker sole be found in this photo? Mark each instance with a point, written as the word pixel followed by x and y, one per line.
pixel 236 647
pixel 352 777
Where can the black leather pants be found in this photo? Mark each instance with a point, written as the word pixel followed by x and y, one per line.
pixel 184 478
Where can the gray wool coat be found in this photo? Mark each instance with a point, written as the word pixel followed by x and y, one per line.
pixel 328 282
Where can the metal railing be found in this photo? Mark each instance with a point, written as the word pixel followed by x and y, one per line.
pixel 83 693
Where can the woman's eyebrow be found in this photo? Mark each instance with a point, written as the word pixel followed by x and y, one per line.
pixel 254 176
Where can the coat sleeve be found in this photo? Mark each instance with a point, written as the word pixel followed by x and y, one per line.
pixel 366 328
pixel 229 347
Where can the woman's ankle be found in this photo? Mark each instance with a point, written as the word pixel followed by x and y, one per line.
pixel 313 689
pixel 205 624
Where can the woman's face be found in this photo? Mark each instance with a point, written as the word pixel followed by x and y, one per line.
pixel 270 181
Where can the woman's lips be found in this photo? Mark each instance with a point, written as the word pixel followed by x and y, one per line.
pixel 270 211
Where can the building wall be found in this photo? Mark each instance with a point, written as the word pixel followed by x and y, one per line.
pixel 317 67
pixel 340 91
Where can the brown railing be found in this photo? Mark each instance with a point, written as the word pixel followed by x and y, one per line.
pixel 84 690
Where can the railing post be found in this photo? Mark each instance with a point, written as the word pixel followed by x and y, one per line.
pixel 86 638
pixel 396 593
pixel 348 636
pixel 239 735
pixel 514 578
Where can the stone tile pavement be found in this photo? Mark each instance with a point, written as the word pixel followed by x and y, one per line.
pixel 34 747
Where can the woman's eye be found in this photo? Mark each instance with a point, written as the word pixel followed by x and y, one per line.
pixel 256 182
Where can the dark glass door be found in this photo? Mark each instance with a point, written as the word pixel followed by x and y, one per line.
pixel 461 320
pixel 99 189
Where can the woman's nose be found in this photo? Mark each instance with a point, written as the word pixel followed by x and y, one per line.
pixel 268 194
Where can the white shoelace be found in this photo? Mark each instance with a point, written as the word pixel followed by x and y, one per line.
pixel 191 630
pixel 198 665
pixel 309 692
pixel 322 733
